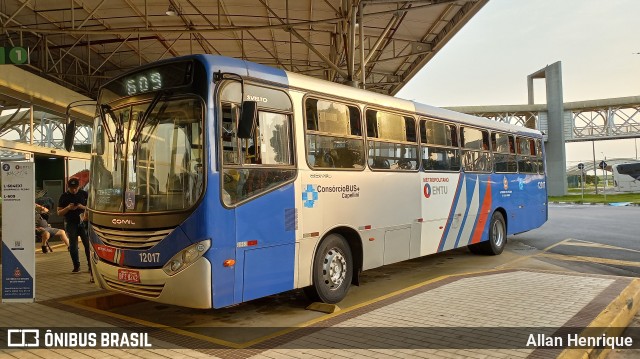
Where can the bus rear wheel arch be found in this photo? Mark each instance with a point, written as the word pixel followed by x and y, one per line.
pixel 497 237
pixel 332 272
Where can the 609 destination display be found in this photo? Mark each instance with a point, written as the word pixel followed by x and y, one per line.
pixel 143 82
pixel 152 79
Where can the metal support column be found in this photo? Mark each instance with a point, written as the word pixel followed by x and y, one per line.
pixel 363 75
pixel 555 150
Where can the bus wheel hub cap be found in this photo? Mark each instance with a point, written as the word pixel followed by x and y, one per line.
pixel 334 268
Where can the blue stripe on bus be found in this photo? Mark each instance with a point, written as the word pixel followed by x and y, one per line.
pixel 471 186
pixel 451 213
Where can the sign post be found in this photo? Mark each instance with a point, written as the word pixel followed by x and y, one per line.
pixel 581 168
pixel 18 243
pixel 603 165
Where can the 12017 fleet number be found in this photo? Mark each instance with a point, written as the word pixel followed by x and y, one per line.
pixel 149 257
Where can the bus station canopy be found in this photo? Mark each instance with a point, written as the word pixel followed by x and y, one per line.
pixel 82 44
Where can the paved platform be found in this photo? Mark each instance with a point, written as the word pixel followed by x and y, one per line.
pixel 488 314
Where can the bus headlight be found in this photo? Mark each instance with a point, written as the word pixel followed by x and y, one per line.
pixel 186 257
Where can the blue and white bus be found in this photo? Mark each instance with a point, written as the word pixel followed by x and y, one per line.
pixel 215 181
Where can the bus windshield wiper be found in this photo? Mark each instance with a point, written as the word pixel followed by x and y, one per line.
pixel 142 121
pixel 118 137
pixel 104 110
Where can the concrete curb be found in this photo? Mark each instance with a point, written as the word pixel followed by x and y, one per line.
pixel 595 204
pixel 612 321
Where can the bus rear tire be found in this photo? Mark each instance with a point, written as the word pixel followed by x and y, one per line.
pixel 497 237
pixel 332 270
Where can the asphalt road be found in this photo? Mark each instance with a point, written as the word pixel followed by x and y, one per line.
pixel 606 239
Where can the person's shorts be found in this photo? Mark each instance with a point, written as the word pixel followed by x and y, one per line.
pixel 52 231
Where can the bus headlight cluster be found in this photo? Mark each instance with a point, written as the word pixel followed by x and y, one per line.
pixel 186 257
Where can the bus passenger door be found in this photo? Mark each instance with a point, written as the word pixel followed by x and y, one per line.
pixel 258 185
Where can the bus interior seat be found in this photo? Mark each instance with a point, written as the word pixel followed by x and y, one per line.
pixel 380 163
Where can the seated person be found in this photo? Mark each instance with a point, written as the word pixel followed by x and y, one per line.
pixel 43 200
pixel 379 163
pixel 403 164
pixel 45 231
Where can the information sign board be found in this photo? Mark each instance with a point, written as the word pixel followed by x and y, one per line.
pixel 18 242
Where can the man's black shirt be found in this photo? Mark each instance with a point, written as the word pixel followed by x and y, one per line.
pixel 73 216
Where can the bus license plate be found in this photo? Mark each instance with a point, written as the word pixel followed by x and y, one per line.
pixel 129 276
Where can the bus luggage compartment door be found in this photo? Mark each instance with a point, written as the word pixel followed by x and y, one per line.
pixel 397 244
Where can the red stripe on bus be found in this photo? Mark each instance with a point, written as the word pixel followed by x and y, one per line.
pixel 105 252
pixel 483 215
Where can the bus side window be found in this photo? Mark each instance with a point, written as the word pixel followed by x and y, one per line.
pixel 475 150
pixel 527 162
pixel 391 140
pixel 272 147
pixel 504 155
pixel 334 135
pixel 439 146
pixel 255 165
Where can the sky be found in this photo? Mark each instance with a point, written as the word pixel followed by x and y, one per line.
pixel 487 62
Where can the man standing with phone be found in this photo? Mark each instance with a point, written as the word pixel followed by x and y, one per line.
pixel 72 205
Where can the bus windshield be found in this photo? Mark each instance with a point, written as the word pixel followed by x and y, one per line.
pixel 150 157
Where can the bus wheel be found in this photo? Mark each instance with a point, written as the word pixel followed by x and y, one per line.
pixel 497 237
pixel 332 270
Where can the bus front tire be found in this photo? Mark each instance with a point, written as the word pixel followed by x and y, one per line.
pixel 332 270
pixel 497 237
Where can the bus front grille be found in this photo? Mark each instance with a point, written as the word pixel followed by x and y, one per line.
pixel 130 239
pixel 143 290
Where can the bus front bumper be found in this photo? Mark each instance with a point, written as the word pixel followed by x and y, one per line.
pixel 189 288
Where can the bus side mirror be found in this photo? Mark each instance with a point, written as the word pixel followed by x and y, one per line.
pixel 248 117
pixel 69 134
